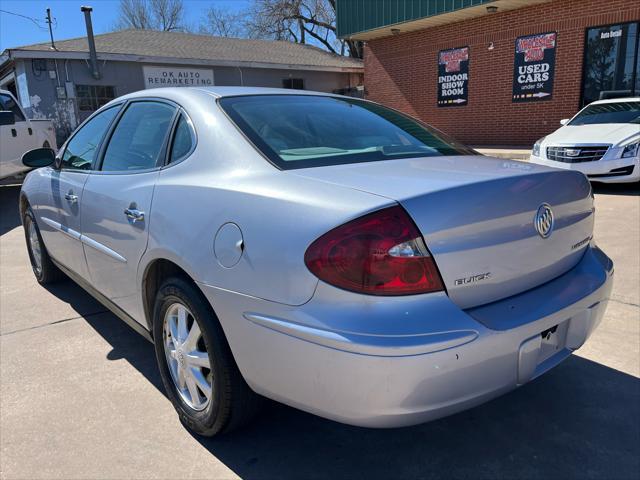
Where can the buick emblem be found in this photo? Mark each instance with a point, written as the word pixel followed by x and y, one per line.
pixel 572 152
pixel 543 222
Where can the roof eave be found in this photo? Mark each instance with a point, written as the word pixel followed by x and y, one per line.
pixel 440 19
pixel 17 53
pixel 6 59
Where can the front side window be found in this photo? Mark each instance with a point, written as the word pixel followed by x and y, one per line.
pixel 299 131
pixel 618 112
pixel 611 62
pixel 82 148
pixel 139 137
pixel 7 103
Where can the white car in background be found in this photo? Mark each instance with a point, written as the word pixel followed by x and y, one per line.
pixel 601 141
pixel 19 134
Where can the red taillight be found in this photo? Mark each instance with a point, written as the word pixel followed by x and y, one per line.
pixel 379 254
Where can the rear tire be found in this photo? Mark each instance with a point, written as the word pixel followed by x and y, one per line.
pixel 43 267
pixel 180 352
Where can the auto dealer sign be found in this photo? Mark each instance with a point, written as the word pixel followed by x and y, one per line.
pixel 453 77
pixel 533 67
pixel 155 77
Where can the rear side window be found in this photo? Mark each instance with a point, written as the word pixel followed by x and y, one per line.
pixel 300 131
pixel 182 140
pixel 83 146
pixel 9 104
pixel 139 137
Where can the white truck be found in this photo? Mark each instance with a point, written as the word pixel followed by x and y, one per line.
pixel 18 135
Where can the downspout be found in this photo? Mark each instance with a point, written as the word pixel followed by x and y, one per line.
pixel 93 56
pixel 241 79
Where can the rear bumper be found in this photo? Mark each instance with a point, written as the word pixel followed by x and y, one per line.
pixel 386 362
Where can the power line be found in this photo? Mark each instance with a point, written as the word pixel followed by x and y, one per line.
pixel 36 21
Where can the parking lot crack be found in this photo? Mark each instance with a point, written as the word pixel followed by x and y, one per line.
pixel 624 302
pixel 91 314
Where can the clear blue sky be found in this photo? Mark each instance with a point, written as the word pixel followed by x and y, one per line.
pixel 16 31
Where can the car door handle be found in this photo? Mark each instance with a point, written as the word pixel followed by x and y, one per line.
pixel 71 198
pixel 134 214
pixel 14 132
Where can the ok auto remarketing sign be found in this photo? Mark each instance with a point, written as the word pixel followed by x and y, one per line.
pixel 157 76
pixel 453 77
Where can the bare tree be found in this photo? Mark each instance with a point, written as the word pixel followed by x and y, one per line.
pixel 223 23
pixel 300 21
pixel 166 15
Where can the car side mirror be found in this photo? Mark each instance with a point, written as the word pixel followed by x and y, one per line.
pixel 564 121
pixel 7 117
pixel 39 157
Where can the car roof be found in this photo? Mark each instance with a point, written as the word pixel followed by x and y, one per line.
pixel 235 91
pixel 173 93
pixel 616 100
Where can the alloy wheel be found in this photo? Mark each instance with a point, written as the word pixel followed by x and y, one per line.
pixel 34 245
pixel 187 357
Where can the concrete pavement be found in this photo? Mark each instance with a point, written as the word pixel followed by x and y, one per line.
pixel 80 397
pixel 498 151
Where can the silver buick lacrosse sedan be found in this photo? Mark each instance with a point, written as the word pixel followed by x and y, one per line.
pixel 322 251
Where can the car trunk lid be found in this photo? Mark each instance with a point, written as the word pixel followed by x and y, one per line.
pixel 476 215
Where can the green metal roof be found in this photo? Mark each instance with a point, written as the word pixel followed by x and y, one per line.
pixel 354 16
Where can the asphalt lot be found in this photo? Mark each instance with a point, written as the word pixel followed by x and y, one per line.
pixel 80 397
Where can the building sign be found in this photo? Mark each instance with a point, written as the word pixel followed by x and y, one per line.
pixel 155 77
pixel 615 33
pixel 453 77
pixel 533 67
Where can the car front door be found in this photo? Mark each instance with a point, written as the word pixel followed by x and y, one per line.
pixel 118 199
pixel 59 216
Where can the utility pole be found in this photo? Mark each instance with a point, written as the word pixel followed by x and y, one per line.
pixel 53 45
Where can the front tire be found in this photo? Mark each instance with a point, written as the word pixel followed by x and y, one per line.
pixel 43 267
pixel 197 368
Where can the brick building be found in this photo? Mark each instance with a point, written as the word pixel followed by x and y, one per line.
pixel 528 64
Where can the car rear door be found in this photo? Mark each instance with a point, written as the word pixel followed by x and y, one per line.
pixel 59 216
pixel 118 199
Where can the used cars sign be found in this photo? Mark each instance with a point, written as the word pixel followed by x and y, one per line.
pixel 533 67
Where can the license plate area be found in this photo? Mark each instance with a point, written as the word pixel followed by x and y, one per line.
pixel 543 351
pixel 553 340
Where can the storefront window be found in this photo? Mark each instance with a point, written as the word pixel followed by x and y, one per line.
pixel 294 83
pixel 92 97
pixel 611 62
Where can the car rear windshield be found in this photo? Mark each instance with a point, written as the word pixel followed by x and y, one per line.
pixel 300 131
pixel 623 112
